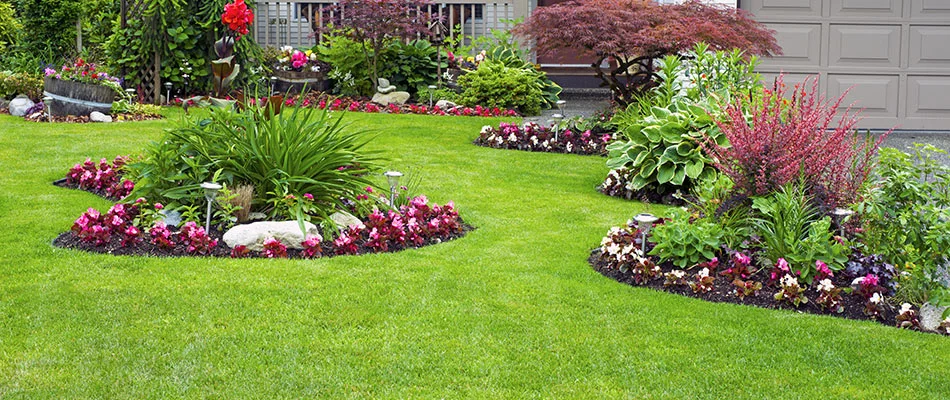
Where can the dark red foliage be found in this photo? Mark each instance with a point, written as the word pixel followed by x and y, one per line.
pixel 793 136
pixel 631 34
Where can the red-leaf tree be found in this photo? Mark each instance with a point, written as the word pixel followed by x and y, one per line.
pixel 631 34
pixel 374 23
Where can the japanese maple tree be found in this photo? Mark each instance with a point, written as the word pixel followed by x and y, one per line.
pixel 374 23
pixel 630 34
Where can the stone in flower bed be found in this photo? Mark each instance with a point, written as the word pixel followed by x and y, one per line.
pixel 861 291
pixel 534 137
pixel 134 229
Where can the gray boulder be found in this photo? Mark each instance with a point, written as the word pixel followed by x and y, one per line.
pixel 19 105
pixel 253 235
pixel 397 98
pixel 343 220
pixel 930 316
pixel 445 104
pixel 383 86
pixel 96 116
pixel 4 103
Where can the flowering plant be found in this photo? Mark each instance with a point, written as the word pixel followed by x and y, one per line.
pixel 791 292
pixel 675 277
pixel 292 59
pixel 704 282
pixel 621 248
pixel 533 137
pixel 102 178
pixel 237 17
pixel 273 248
pixel 746 288
pixel 907 317
pixel 81 71
pixel 829 296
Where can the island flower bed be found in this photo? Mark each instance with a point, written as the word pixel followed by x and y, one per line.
pixel 103 178
pixel 138 229
pixel 860 291
pixel 534 137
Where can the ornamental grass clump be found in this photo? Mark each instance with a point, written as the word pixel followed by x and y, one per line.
pixel 775 139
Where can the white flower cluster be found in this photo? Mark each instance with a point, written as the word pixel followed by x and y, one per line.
pixel 486 129
pixel 678 273
pixel 825 285
pixel 789 281
pixel 905 308
pixel 618 253
pixel 569 147
pixel 704 273
pixel 876 298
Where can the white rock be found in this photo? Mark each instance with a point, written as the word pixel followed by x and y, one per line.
pixel 397 98
pixel 930 316
pixel 445 104
pixel 253 235
pixel 344 220
pixel 96 116
pixel 19 105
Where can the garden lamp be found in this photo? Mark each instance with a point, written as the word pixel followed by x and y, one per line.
pixel 168 92
pixel 131 93
pixel 393 178
pixel 840 215
pixel 211 192
pixel 273 84
pixel 48 108
pixel 644 224
pixel 560 106
pixel 432 89
pixel 557 124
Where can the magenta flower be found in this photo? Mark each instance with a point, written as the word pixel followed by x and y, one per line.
pixel 308 196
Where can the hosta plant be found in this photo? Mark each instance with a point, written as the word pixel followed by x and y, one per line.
pixel 662 148
pixel 686 244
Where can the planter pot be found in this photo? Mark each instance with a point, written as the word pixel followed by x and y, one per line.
pixel 76 98
pixel 298 82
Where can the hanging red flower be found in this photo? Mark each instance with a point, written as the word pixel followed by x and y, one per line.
pixel 237 17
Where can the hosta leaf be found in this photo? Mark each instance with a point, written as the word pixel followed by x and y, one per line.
pixel 694 168
pixel 652 133
pixel 659 112
pixel 647 169
pixel 684 149
pixel 665 173
pixel 638 183
pixel 679 176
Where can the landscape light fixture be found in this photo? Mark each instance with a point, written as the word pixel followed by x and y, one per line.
pixel 168 92
pixel 432 89
pixel 211 192
pixel 644 224
pixel 560 106
pixel 840 215
pixel 393 178
pixel 557 125
pixel 131 93
pixel 273 84
pixel 47 106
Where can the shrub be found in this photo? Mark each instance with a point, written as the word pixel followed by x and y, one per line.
pixel 684 243
pixel 299 151
pixel 495 84
pixel 13 84
pixel 349 66
pixel 9 27
pixel 513 58
pixel 49 23
pixel 634 33
pixel 786 139
pixel 412 66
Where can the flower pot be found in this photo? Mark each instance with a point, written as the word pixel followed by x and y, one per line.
pixel 300 81
pixel 77 98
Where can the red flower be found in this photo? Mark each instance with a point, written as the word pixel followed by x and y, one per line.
pixel 237 17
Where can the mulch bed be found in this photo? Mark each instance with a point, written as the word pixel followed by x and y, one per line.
pixel 70 240
pixel 41 117
pixel 724 292
pixel 101 193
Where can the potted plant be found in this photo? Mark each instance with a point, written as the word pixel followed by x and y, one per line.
pixel 79 88
pixel 298 70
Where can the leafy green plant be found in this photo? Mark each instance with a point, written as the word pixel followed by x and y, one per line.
pixel 494 84
pixel 412 66
pixel 513 58
pixel 662 149
pixel 711 199
pixel 12 84
pixel 686 243
pixel 720 73
pixel 9 27
pixel 791 228
pixel 349 66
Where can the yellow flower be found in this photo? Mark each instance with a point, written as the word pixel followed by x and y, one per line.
pixel 308 52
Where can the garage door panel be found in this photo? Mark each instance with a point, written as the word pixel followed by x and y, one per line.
pixel 928 96
pixel 866 8
pixel 801 44
pixel 875 95
pixel 865 45
pixel 766 8
pixel 930 46
pixel 930 9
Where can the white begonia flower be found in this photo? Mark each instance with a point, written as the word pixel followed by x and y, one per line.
pixel 605 241
pixel 613 248
pixel 569 147
pixel 679 273
pixel 608 182
pixel 534 140
pixel 499 140
pixel 286 49
pixel 315 68
pixel 876 298
pixel 630 248
pixel 656 268
pixel 313 56
pixel 825 285
pixel 486 129
pixel 703 273
pixel 512 138
pixel 905 308
pixel 857 281
pixel 789 281
pixel 491 137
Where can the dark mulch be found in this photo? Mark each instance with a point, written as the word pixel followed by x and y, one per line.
pixel 600 150
pixel 101 193
pixel 642 195
pixel 41 117
pixel 70 240
pixel 723 292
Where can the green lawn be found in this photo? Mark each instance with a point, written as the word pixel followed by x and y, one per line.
pixel 512 310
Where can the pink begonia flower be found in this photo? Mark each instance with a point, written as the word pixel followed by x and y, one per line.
pixel 299 59
pixel 308 196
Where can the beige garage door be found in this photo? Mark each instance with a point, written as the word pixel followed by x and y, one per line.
pixel 893 54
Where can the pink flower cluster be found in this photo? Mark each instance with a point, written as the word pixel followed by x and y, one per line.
pixel 533 137
pixel 195 239
pixel 413 225
pixel 93 226
pixel 102 177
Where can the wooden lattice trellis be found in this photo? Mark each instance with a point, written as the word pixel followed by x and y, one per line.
pixel 149 89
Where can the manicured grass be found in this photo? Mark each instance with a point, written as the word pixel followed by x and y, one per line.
pixel 510 311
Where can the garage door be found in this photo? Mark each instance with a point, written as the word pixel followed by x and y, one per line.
pixel 894 55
